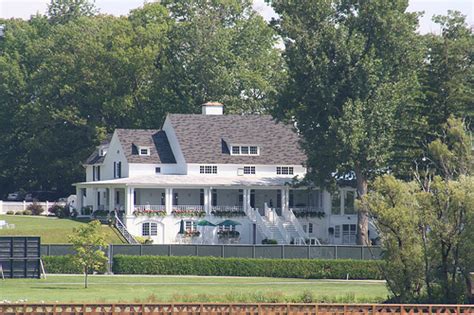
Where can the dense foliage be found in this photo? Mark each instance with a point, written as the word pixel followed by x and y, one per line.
pixel 70 77
pixel 426 225
pixel 247 267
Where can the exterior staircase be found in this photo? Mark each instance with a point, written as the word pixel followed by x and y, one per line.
pixel 123 230
pixel 274 231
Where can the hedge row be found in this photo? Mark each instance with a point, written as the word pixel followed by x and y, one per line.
pixel 63 264
pixel 249 267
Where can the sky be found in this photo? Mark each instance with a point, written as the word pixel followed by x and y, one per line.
pixel 25 8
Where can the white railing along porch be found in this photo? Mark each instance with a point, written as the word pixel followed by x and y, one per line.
pixel 227 208
pixel 188 207
pixel 149 207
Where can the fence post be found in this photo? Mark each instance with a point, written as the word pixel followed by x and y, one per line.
pixel 197 250
pixel 282 251
pixel 141 250
pixel 169 250
pixel 222 251
pixel 308 251
pixel 253 251
pixel 24 205
pixel 47 206
pixel 335 251
pixel 362 252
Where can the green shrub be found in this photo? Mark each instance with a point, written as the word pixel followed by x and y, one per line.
pixel 63 264
pixel 19 213
pixel 27 212
pixel 34 209
pixel 10 212
pixel 248 267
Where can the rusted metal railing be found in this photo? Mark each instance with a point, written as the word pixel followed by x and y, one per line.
pixel 236 308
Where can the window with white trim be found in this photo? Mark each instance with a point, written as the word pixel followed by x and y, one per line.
pixel 284 170
pixel 143 151
pixel 208 169
pixel 235 150
pixel 249 170
pixel 245 150
pixel 337 231
pixel 149 229
pixel 310 227
pixel 157 170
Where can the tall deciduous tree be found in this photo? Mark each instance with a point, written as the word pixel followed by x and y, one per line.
pixel 63 11
pixel 448 72
pixel 351 66
pixel 218 50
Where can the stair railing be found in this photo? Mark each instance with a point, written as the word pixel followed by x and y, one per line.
pixel 255 216
pixel 277 222
pixel 123 230
pixel 290 216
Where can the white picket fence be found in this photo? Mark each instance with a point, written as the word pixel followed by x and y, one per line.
pixel 16 206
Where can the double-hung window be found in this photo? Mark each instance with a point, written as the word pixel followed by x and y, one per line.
pixel 249 170
pixel 284 170
pixel 208 169
pixel 149 229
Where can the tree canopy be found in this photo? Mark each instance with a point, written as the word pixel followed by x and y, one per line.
pixel 70 77
pixel 351 67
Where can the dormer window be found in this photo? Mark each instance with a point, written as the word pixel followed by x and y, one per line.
pixel 102 151
pixel 245 150
pixel 144 151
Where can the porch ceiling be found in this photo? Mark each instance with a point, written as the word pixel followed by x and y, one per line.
pixel 189 181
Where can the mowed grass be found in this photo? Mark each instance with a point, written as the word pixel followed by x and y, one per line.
pixel 51 230
pixel 142 289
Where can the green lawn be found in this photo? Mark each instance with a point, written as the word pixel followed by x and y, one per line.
pixel 189 289
pixel 52 230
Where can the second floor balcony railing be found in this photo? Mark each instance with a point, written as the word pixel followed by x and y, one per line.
pixel 149 210
pixel 188 211
pixel 228 211
pixel 307 212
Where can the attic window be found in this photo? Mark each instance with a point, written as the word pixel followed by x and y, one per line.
pixel 102 152
pixel 245 150
pixel 143 151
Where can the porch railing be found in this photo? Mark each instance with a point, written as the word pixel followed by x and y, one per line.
pixel 149 207
pixel 188 207
pixel 227 208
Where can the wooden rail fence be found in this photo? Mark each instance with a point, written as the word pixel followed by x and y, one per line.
pixel 235 308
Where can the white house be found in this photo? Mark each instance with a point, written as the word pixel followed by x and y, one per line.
pixel 214 167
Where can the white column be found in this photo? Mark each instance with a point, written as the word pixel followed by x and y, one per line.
pixel 169 200
pixel 284 201
pixel 247 192
pixel 94 199
pixel 209 197
pixel 129 204
pixel 79 200
pixel 111 198
pixel 244 202
pixel 207 203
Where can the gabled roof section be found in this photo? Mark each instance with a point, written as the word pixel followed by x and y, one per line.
pixel 95 158
pixel 206 139
pixel 156 140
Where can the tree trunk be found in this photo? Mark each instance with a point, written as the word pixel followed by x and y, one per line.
pixel 85 277
pixel 362 213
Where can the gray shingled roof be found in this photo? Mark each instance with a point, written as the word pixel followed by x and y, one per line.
pixel 95 158
pixel 156 140
pixel 205 139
